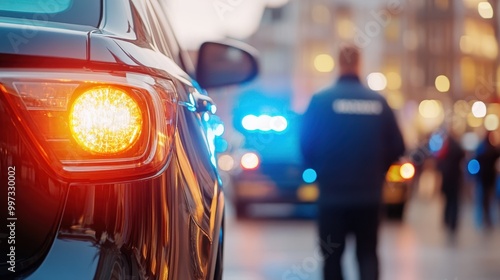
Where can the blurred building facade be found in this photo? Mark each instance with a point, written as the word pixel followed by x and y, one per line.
pixel 432 59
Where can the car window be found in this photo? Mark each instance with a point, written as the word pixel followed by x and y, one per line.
pixel 81 12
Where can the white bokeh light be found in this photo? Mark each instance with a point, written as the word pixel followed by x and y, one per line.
pixel 377 81
pixel 250 122
pixel 279 124
pixel 470 141
pixel 479 109
pixel 491 122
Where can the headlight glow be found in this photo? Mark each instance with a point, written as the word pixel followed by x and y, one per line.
pixel 250 161
pixel 105 120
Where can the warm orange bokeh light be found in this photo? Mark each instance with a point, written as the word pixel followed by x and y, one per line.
pixel 407 171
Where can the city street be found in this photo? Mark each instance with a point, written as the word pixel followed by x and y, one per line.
pixel 417 249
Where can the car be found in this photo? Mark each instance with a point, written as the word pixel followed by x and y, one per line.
pixel 267 168
pixel 259 182
pixel 107 166
pixel 397 188
pixel 268 165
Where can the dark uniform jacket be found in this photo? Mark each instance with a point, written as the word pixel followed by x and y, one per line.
pixel 350 136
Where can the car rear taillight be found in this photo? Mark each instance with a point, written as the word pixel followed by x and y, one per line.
pixel 105 120
pixel 99 123
pixel 400 172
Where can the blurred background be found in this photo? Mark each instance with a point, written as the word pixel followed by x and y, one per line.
pixel 437 64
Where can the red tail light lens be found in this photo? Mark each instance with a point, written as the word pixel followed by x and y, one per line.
pixel 91 122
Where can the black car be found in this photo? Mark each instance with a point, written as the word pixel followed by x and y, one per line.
pixel 106 169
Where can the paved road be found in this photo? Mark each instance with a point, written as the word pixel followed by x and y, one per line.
pixel 414 250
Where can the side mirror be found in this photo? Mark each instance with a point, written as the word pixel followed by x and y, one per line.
pixel 222 64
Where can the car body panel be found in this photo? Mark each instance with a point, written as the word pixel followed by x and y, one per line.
pixel 54 40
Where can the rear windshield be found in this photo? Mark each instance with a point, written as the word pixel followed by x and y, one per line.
pixel 81 12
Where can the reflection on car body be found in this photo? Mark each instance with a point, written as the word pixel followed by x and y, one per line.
pixel 114 177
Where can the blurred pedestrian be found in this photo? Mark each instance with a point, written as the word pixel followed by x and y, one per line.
pixel 350 137
pixel 450 164
pixel 487 155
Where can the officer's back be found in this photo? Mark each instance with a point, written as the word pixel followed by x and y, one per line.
pixel 350 137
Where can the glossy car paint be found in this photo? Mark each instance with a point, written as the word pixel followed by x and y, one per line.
pixel 165 226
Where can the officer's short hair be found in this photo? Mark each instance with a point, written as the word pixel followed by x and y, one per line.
pixel 349 56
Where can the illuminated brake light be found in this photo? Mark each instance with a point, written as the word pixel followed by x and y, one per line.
pixel 109 126
pixel 250 161
pixel 407 171
pixel 105 120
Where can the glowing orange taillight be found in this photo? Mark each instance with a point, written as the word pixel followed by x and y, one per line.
pixel 94 125
pixel 105 120
pixel 400 172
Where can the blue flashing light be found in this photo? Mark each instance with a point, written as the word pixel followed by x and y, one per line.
pixel 309 176
pixel 473 167
pixel 279 124
pixel 436 142
pixel 264 123
pixel 250 122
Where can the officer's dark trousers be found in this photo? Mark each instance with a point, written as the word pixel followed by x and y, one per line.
pixel 335 223
pixel 451 210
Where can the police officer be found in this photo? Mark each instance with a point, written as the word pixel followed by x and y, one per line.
pixel 350 137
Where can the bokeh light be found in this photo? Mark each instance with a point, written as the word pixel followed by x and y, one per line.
pixel 442 83
pixel 470 141
pixel 250 161
pixel 250 122
pixel 279 123
pixel 436 142
pixel 226 162
pixel 377 81
pixel 491 122
pixel 324 63
pixel 473 167
pixel 309 176
pixel 264 123
pixel 430 109
pixel 479 109
pixel 485 10
pixel 407 171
